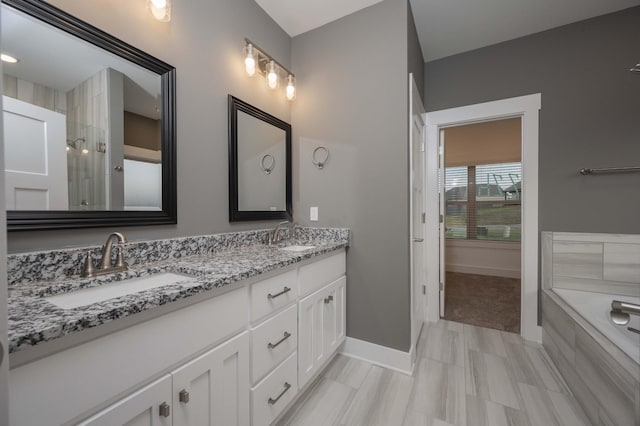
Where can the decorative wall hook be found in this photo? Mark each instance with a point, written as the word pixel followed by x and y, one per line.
pixel 319 158
pixel 267 163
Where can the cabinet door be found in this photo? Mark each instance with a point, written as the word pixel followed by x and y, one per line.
pixel 334 301
pixel 310 336
pixel 140 408
pixel 214 388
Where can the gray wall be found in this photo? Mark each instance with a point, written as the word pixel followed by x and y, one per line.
pixel 204 41
pixel 352 98
pixel 414 51
pixel 589 116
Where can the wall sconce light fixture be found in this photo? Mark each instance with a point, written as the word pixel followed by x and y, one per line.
pixel 160 9
pixel 256 60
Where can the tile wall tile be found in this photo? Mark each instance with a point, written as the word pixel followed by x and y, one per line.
pixel 578 260
pixel 622 262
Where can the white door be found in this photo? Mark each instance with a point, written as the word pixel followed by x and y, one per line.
pixel 213 389
pixel 333 316
pixel 417 200
pixel 150 406
pixel 35 157
pixel 443 228
pixel 310 336
pixel 4 351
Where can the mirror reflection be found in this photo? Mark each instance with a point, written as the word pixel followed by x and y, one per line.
pixel 82 126
pixel 259 164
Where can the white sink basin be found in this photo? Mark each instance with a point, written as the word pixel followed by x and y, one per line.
pixel 116 289
pixel 296 248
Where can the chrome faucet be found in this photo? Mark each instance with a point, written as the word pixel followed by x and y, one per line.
pixel 275 236
pixel 105 266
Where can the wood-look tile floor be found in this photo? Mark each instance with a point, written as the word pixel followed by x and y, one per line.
pixel 464 376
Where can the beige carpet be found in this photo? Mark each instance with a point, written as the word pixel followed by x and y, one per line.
pixel 482 300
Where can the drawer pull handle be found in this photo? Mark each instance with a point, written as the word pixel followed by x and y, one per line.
pixel 328 300
pixel 165 410
pixel 287 386
pixel 183 396
pixel 273 345
pixel 284 291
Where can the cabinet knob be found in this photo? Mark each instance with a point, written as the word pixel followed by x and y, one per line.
pixel 165 410
pixel 328 300
pixel 183 396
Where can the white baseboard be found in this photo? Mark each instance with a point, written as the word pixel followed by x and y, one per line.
pixel 379 355
pixel 483 270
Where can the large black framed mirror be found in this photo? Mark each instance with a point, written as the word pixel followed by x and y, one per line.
pixel 259 164
pixel 89 125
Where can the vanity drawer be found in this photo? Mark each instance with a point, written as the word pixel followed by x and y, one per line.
pixel 275 392
pixel 269 295
pixel 318 274
pixel 273 341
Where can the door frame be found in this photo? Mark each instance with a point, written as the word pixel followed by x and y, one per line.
pixel 4 336
pixel 527 107
pixel 414 99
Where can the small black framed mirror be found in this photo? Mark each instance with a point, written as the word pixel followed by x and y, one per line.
pixel 106 154
pixel 259 164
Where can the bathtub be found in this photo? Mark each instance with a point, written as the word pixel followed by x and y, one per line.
pixel 595 308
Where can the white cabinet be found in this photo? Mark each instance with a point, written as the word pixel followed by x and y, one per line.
pixel 100 370
pixel 272 294
pixel 148 406
pixel 334 323
pixel 273 341
pixel 275 392
pixel 213 389
pixel 321 328
pixel 234 359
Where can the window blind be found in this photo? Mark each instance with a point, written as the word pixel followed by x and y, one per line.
pixel 483 201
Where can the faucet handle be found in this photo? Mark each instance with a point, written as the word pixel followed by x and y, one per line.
pixel 88 269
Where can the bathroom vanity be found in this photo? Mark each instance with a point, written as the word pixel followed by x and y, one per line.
pixel 232 341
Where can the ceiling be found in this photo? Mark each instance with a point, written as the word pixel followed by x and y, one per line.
pixel 299 16
pixel 448 27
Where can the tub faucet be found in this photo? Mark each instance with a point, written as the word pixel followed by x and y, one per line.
pixel 621 313
pixel 105 266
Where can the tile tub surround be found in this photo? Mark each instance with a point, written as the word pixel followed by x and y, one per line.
pixel 603 263
pixel 214 261
pixel 604 380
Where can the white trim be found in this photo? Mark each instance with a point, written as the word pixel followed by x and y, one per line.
pixel 526 107
pixel 383 356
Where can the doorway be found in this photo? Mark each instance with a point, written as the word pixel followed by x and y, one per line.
pixel 527 108
pixel 480 199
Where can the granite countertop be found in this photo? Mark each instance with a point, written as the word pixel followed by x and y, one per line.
pixel 34 320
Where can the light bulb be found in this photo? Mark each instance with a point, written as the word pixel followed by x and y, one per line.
pixel 68 149
pixel 249 60
pixel 291 87
pixel 8 58
pixel 272 75
pixel 160 9
pixel 85 151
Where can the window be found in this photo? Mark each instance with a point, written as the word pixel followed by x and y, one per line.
pixel 483 202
